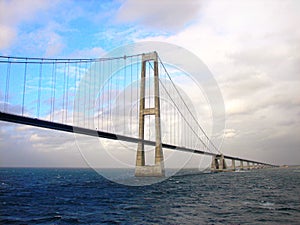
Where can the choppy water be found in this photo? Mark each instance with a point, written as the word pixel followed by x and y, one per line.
pixel 81 196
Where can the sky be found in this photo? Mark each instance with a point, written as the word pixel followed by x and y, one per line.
pixel 252 48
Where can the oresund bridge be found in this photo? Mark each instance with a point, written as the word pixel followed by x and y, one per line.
pixel 117 98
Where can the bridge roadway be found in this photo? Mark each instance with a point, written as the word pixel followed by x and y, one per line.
pixel 73 129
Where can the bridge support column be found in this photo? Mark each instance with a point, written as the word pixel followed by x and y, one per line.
pixel 214 164
pixel 233 165
pixel 142 170
pixel 248 165
pixel 241 165
pixel 218 163
pixel 223 165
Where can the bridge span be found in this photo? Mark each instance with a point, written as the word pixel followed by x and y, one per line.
pixel 88 96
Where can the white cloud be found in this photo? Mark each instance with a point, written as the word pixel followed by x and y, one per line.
pixel 95 52
pixel 14 12
pixel 235 106
pixel 46 40
pixel 54 44
pixel 7 36
pixel 36 137
pixel 230 133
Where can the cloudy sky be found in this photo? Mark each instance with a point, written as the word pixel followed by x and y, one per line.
pixel 251 47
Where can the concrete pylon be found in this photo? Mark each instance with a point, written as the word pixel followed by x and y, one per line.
pixel 142 170
pixel 233 164
pixel 252 166
pixel 218 163
pixel 214 164
pixel 223 165
pixel 241 165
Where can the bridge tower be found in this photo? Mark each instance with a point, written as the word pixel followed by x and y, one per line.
pixel 156 170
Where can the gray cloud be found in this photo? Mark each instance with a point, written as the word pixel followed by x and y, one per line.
pixel 165 15
pixel 281 60
pixel 267 142
pixel 33 147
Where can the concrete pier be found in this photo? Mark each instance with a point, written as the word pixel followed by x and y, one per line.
pixel 248 165
pixel 233 165
pixel 241 165
pixel 218 163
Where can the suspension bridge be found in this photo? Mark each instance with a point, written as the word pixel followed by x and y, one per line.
pixel 129 98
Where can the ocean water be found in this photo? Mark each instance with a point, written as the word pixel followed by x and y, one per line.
pixel 81 196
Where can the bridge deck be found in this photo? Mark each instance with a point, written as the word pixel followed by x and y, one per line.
pixel 73 129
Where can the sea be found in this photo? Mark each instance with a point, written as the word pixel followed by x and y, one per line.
pixel 82 196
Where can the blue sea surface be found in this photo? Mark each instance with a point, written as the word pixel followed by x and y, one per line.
pixel 81 196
